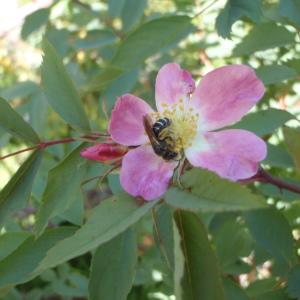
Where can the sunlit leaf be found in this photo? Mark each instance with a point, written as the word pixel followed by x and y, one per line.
pixel 17 191
pixel 34 21
pixel 264 36
pixel 107 220
pixel 207 192
pixel 264 122
pixel 275 73
pixel 233 11
pixel 149 38
pixel 13 123
pixel 60 91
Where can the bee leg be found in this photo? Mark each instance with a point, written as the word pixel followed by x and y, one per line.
pixel 178 172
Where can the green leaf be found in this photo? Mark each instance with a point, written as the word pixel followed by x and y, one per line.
pixel 291 10
pixel 278 294
pixel 10 241
pixel 75 213
pixel 114 183
pixel 233 291
pixel 60 91
pixel 107 220
pixel 292 140
pixel 275 74
pixel 38 112
pixel 113 268
pixel 102 80
pixel 149 38
pixel 207 192
pixel 278 157
pixel 132 12
pixel 96 39
pixel 282 195
pixel 235 10
pixel 293 287
pixel 201 276
pixel 9 293
pixel 293 63
pixel 22 89
pixel 17 191
pixel 35 21
pixel 163 233
pixel 123 84
pixel 19 266
pixel 232 242
pixel 13 123
pixel 63 188
pixel 273 233
pixel 115 7
pixel 261 287
pixel 59 39
pixel 264 36
pixel 264 122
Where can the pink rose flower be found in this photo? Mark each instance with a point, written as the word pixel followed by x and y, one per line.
pixel 222 98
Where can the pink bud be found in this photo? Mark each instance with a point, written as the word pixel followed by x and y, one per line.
pixel 107 152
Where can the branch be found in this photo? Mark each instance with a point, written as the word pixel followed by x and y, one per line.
pixel 205 8
pixel 265 177
pixel 43 145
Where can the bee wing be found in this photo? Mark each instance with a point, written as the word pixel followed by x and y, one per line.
pixel 148 128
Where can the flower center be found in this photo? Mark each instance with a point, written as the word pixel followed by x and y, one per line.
pixel 183 125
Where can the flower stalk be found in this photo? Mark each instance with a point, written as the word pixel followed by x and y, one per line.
pixel 265 177
pixel 43 145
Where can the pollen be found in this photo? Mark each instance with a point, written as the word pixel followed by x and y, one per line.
pixel 184 125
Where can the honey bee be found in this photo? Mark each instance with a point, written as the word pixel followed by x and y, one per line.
pixel 160 139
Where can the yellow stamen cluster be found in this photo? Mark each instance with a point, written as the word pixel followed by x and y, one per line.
pixel 183 126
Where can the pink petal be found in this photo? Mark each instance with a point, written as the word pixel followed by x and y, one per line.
pixel 145 174
pixel 234 154
pixel 172 84
pixel 225 95
pixel 126 123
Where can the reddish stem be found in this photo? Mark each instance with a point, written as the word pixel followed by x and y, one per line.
pixel 20 151
pixel 264 176
pixel 43 145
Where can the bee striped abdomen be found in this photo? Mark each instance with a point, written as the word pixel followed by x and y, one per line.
pixel 159 125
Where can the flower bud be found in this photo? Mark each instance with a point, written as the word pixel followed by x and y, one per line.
pixel 106 153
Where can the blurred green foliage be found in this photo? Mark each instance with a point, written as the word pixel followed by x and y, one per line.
pixel 59 241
